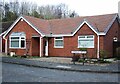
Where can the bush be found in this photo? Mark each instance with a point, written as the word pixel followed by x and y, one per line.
pixel 103 61
pixel 82 60
pixel 103 54
pixel 83 49
pixel 118 52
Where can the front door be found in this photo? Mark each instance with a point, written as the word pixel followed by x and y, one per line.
pixel 46 47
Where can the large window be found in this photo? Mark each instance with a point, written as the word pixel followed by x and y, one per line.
pixel 58 42
pixel 86 41
pixel 17 41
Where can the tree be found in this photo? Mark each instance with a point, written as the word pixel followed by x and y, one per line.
pixel 24 8
pixel 10 16
pixel 73 14
pixel 13 9
pixel 35 14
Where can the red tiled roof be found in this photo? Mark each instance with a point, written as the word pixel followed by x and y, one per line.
pixel 68 25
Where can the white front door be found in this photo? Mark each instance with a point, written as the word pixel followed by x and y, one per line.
pixel 46 47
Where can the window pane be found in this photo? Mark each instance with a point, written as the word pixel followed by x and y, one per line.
pixel 89 36
pixel 58 38
pixel 15 44
pixel 14 38
pixel 82 37
pixel 86 41
pixel 22 38
pixel 22 43
pixel 58 42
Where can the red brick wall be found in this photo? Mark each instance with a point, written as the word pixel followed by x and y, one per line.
pixel 119 31
pixel 108 39
pixel 71 43
pixel 35 46
pixel 22 26
pixel 3 45
pixel 101 42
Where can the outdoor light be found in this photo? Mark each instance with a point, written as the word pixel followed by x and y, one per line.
pixel 115 39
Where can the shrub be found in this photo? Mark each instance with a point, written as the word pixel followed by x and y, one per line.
pixel 103 54
pixel 83 49
pixel 118 52
pixel 82 60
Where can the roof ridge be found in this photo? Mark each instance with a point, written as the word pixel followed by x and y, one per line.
pixel 70 18
pixel 51 25
pixel 100 15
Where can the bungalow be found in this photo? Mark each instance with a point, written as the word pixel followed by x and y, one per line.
pixel 58 37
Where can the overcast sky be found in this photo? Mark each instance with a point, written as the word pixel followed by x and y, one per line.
pixel 83 7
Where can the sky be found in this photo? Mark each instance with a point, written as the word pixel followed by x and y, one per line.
pixel 83 7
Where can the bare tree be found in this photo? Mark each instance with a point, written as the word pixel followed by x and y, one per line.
pixel 13 9
pixel 25 8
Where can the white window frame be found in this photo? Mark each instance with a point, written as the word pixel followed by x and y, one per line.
pixel 19 47
pixel 86 39
pixel 55 39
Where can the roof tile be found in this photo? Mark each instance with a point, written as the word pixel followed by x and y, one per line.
pixel 68 25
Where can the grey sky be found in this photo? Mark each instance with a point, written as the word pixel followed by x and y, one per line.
pixel 83 7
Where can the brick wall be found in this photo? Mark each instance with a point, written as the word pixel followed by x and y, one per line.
pixel 71 43
pixel 108 39
pixel 35 46
pixel 22 26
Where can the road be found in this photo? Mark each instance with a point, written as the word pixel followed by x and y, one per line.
pixel 20 73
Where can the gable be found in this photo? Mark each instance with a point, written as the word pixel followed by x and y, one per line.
pixel 16 22
pixel 22 26
pixel 89 26
pixel 85 30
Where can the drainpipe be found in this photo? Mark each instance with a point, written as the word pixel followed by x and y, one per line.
pixel 6 46
pixel 98 47
pixel 40 47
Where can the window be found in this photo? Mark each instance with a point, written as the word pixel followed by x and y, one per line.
pixel 58 42
pixel 86 41
pixel 17 41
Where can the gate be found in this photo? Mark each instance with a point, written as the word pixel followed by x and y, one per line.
pixel 116 49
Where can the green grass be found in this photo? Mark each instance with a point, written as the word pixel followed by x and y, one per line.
pixel 33 56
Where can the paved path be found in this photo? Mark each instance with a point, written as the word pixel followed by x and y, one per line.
pixel 53 59
pixel 109 68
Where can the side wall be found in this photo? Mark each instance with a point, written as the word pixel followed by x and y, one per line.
pixel 107 41
pixel 22 26
pixel 71 43
pixel 2 45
